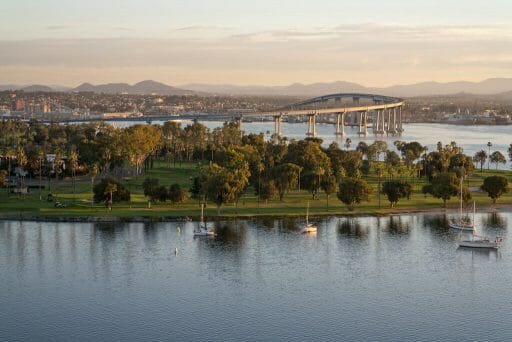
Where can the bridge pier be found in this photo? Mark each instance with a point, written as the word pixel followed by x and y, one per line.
pixel 400 127
pixel 239 120
pixel 363 123
pixel 277 125
pixel 311 125
pixel 340 120
pixel 376 119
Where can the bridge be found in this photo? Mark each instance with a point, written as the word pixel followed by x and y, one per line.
pixel 385 112
pixel 348 109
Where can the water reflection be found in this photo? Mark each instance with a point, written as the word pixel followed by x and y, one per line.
pixel 230 233
pixel 482 253
pixel 398 225
pixel 436 222
pixel 352 227
pixel 494 220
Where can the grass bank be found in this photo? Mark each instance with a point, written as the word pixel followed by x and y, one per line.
pixel 78 206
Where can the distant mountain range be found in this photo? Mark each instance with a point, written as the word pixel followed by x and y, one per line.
pixel 487 87
pixel 144 87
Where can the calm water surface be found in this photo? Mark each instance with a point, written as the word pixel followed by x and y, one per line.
pixel 380 279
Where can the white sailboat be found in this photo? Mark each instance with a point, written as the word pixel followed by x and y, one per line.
pixel 202 229
pixel 479 241
pixel 461 224
pixel 309 227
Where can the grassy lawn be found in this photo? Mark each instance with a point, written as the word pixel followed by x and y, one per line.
pixel 78 205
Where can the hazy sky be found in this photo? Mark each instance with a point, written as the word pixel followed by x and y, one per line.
pixel 270 42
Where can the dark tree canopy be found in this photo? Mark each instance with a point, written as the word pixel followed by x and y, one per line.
pixel 353 191
pixel 101 195
pixel 396 189
pixel 495 186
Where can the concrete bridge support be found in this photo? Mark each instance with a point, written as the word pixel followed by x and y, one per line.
pixel 382 122
pixel 311 125
pixel 400 127
pixel 363 123
pixel 392 122
pixel 340 124
pixel 239 120
pixel 277 125
pixel 376 122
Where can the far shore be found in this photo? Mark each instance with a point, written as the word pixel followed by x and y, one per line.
pixel 384 212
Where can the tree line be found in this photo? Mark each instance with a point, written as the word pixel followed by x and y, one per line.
pixel 236 162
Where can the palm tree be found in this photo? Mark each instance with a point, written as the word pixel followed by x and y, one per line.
pixel 480 158
pixel 40 158
pixel 489 145
pixel 348 141
pixel 93 172
pixel 9 154
pixel 109 190
pixel 73 164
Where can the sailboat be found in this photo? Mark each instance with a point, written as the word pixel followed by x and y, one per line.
pixel 480 241
pixel 202 229
pixel 461 224
pixel 309 227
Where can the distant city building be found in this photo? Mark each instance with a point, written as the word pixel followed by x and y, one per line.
pixel 20 105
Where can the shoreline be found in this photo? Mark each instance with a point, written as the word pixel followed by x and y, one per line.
pixel 192 218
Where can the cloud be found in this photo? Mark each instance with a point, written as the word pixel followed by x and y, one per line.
pixel 197 28
pixel 384 32
pixel 121 28
pixel 57 27
pixel 374 53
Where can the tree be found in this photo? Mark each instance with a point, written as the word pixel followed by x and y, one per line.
pixel 105 191
pixel 110 189
pixel 3 177
pixel 444 186
pixel 410 151
pixel 481 157
pixel 328 185
pixel 153 191
pixel 268 189
pixel 497 158
pixel 285 177
pixel 73 164
pixel 495 186
pixel 176 194
pixel 489 145
pixel 198 188
pixel 41 157
pixel 348 141
pixel 93 173
pixel 396 189
pixel 226 184
pixel 509 150
pixel 140 141
pixel 353 191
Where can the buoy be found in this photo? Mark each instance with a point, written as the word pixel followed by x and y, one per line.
pixel 178 230
pixel 176 252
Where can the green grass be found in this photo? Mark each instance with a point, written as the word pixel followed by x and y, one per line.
pixel 78 205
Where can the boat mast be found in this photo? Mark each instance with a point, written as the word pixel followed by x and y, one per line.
pixel 307 215
pixel 461 180
pixel 474 210
pixel 202 214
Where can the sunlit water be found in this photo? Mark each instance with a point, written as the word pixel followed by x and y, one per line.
pixel 366 279
pixel 470 138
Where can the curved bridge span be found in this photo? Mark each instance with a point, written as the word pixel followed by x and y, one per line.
pixel 354 109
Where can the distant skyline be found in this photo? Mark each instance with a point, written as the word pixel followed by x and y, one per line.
pixel 374 43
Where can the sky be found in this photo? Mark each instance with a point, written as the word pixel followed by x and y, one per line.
pixel 263 42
